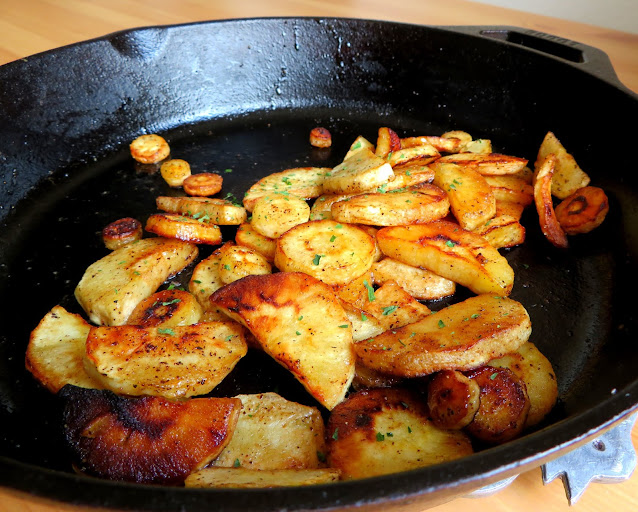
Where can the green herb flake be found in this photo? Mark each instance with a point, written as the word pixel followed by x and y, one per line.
pixel 389 434
pixel 169 302
pixel 228 171
pixel 409 429
pixel 168 331
pixel 335 434
pixel 316 259
pixel 230 337
pixel 136 273
pixel 389 310
pixel 370 289
pixel 494 375
pixel 380 437
pixel 356 146
pixel 344 326
pixel 333 238
pixel 236 464
pixel 364 318
pixel 475 315
pixel 122 262
pixel 441 324
pixel 339 226
pixel 297 333
pixel 226 267
pixel 449 243
pixel 300 318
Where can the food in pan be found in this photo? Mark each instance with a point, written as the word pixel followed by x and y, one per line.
pixel 334 292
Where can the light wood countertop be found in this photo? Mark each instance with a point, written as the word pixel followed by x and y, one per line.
pixel 32 26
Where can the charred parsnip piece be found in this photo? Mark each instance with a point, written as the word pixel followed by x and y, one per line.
pixel 544 203
pixel 299 322
pixel 462 336
pixel 451 252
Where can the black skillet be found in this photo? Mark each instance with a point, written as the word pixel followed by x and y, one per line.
pixel 243 95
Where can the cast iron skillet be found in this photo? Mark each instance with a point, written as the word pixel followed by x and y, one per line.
pixel 243 95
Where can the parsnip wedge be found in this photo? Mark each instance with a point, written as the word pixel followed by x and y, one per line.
pixel 362 172
pixel 381 431
pixel 304 182
pixel 418 282
pixel 359 143
pixel 206 209
pixel 422 155
pixel 248 237
pixel 56 351
pixel 502 231
pixel 424 204
pixel 451 252
pixel 460 337
pixel 471 198
pixel 177 362
pixel 393 307
pixel 206 278
pixel 241 478
pixel 511 189
pixel 112 286
pixel 274 433
pixel 300 323
pixel 569 177
pixel 492 164
pixel 332 252
pixel 443 144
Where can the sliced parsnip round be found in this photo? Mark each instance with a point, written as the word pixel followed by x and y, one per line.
pixel 237 261
pixel 453 399
pixel 332 252
pixel 275 214
pixel 248 237
pixel 425 204
pixel 419 282
pixel 188 229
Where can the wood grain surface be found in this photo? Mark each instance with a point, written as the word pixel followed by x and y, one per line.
pixel 32 26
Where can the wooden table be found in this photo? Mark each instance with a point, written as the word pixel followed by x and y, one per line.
pixel 32 26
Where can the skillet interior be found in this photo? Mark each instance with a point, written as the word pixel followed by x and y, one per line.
pixel 243 95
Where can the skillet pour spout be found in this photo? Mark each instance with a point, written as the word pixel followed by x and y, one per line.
pixel 69 115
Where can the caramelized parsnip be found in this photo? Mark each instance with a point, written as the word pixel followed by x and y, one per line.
pixel 149 149
pixel 583 211
pixel 203 184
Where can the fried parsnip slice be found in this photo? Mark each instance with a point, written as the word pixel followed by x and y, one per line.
pixel 206 278
pixel 300 323
pixel 451 252
pixel 145 440
pixel 248 237
pixel 408 177
pixel 425 204
pixel 364 325
pixel 381 431
pixel 240 478
pixel 359 143
pixel 568 177
pixel 502 231
pixel 461 336
pixel 420 283
pixel 176 362
pixel 205 209
pixel 182 227
pixel 357 291
pixel 535 370
pixel 175 171
pixel 493 164
pixel 453 399
pixel 545 205
pixel 582 211
pixel 304 182
pixel 483 146
pixel 464 137
pixel 320 137
pixel 321 207
pixel 503 405
pixel 509 208
pixel 112 286
pixel 366 378
pixel 150 148
pixel 56 350
pixel 237 261
pixel 203 184
pixel 441 144
pixel 274 433
pixel 166 308
pixel 387 142
pixel 332 252
pixel 471 199
pixel 121 232
pixel 393 307
pixel 361 172
pixel 274 214
pixel 421 155
pixel 511 188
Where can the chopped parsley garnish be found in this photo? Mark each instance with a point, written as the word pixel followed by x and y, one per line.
pixel 390 309
pixel 335 434
pixel 449 243
pixel 333 238
pixel 441 324
pixel 493 376
pixel 316 259
pixel 236 463
pixel 168 331
pixel 371 296
pixel 169 302
pixel 380 436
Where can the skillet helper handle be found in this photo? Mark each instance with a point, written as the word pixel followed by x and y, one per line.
pixel 609 458
pixel 577 54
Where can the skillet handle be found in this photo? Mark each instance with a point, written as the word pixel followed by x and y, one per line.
pixel 586 57
pixel 610 458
